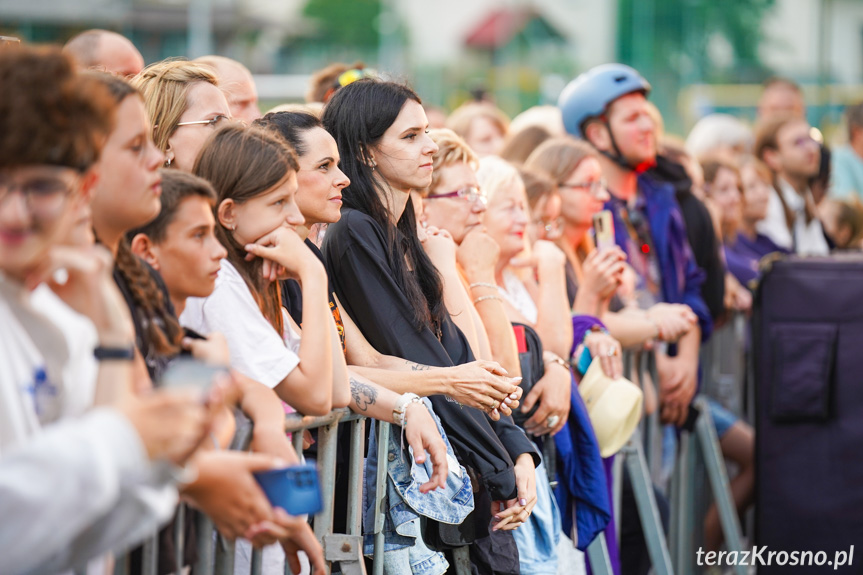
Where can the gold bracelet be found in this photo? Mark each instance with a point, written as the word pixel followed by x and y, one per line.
pixel 554 358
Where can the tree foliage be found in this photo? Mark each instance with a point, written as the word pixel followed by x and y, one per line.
pixel 345 22
pixel 675 35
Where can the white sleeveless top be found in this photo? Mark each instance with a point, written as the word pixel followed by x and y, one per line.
pixel 515 292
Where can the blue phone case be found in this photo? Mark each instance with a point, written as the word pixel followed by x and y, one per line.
pixel 295 489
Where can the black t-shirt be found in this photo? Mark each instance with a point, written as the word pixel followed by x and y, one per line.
pixel 355 253
pixel 699 230
pixel 292 298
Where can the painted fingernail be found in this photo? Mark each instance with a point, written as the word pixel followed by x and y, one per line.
pixel 514 395
pixel 495 518
pixel 507 400
pixel 495 411
pixel 522 502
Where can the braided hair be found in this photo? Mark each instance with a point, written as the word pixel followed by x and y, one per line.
pixel 161 330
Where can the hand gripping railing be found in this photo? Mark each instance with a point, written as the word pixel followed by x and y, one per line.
pixel 216 554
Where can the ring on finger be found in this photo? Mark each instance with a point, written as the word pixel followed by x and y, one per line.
pixel 612 351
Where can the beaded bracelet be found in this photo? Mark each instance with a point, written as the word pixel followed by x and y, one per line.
pixel 485 297
pixel 482 284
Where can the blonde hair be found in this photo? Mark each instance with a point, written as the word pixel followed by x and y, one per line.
pixel 496 174
pixel 316 109
pixel 462 117
pixel 165 87
pixel 558 157
pixel 452 149
pixel 716 132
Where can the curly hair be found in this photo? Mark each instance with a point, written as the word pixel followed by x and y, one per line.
pixel 48 113
pixel 452 149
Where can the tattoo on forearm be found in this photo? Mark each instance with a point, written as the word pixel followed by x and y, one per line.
pixel 417 366
pixel 363 394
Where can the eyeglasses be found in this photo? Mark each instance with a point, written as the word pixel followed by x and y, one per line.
pixel 212 122
pixel 594 188
pixel 44 191
pixel 806 140
pixel 470 194
pixel 552 229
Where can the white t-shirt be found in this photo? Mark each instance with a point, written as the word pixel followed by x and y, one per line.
pixel 256 349
pixel 31 390
pixel 79 375
pixel 806 238
pixel 109 496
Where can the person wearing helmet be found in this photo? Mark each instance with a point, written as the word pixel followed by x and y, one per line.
pixel 607 106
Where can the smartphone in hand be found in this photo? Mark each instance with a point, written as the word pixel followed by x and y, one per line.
pixel 603 230
pixel 188 373
pixel 296 489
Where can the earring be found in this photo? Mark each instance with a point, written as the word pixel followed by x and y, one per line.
pixel 168 162
pixel 373 165
pixel 233 227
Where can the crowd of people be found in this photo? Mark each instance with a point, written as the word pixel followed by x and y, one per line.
pixel 362 250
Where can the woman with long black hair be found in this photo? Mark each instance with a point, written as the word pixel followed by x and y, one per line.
pixel 386 283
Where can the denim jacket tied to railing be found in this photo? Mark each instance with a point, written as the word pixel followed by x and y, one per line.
pixel 404 502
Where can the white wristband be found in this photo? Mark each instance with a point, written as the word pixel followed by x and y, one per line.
pixel 401 407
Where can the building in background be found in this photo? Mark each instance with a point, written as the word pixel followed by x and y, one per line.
pixel 700 55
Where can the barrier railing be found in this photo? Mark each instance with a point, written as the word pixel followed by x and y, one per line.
pixel 216 554
pixel 641 458
pixel 698 452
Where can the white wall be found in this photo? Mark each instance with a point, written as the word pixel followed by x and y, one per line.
pixel 846 42
pixel 793 37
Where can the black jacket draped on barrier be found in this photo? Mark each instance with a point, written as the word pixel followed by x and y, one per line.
pixel 355 253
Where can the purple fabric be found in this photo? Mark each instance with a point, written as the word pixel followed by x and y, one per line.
pixel 744 254
pixel 681 276
pixel 580 325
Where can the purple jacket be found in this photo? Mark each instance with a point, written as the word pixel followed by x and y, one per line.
pixel 681 276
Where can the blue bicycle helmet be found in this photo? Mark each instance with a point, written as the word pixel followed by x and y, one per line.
pixel 589 95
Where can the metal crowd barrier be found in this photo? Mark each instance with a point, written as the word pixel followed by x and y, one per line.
pixel 698 454
pixel 723 366
pixel 216 553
